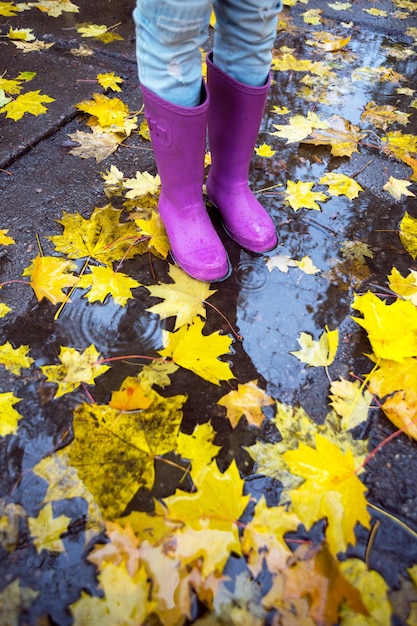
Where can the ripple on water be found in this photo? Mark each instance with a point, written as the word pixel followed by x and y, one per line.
pixel 113 329
pixel 252 274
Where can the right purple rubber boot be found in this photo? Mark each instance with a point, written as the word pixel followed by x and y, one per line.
pixel 178 137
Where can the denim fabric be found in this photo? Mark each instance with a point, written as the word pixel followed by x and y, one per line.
pixel 169 34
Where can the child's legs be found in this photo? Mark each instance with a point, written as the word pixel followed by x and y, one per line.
pixel 168 36
pixel 244 37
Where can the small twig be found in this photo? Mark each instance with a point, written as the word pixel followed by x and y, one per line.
pixel 361 169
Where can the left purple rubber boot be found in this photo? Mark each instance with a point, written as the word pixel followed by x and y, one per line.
pixel 234 117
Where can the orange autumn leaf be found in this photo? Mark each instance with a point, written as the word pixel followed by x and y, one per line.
pixel 130 397
pixel 247 400
pixel 49 276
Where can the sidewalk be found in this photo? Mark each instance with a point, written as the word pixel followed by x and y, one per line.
pixel 352 243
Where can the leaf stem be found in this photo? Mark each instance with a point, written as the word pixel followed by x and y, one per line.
pixel 235 333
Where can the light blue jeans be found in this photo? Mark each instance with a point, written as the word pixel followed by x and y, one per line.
pixel 169 34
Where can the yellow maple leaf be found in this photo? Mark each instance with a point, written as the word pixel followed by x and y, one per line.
pixel 265 151
pixel 92 30
pixel 404 286
pixel 109 80
pixel 373 591
pixel 392 329
pixel 299 127
pixel 381 116
pixel 263 537
pixel 392 376
pixel 328 41
pixel 29 102
pixel 122 546
pixel 55 8
pixel 125 602
pixel 75 368
pixel 46 530
pixel 215 509
pixel 9 9
pixel 49 276
pixel 157 373
pixel 408 234
pixel 127 446
pixel 189 348
pixel 340 184
pixel 25 34
pixel 109 113
pixel 376 12
pixel 4 309
pixel 299 195
pixel 130 397
pixel 403 147
pixel 199 449
pixel 332 489
pixel 104 281
pixel 247 401
pixel 312 16
pixel 401 410
pixel 9 417
pixel 15 598
pixel 319 353
pixel 398 187
pixel 183 298
pixel 95 144
pixel 142 184
pixel 307 266
pixel 101 237
pixel 5 239
pixel 342 136
pixel 350 401
pixel 155 230
pixel 15 359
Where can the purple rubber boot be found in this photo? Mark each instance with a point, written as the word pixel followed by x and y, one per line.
pixel 178 137
pixel 234 118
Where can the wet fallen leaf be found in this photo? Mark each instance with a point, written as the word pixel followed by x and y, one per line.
pixel 122 546
pixel 299 127
pixel 75 369
pixel 247 401
pixel 9 417
pixel 34 46
pixel 104 281
pixel 199 449
pixel 142 184
pixel 4 309
pixel 263 540
pixel 15 359
pixel 109 80
pixel 408 234
pixel 374 595
pixel 49 275
pixel 127 446
pixel 392 329
pixel 184 298
pixel 328 41
pixel 9 9
pixel 95 144
pixel 55 8
pixel 102 237
pixel 189 348
pixel 331 490
pixel 307 266
pixel 401 410
pixel 392 376
pixel 5 239
pixel 350 401
pixel 155 230
pixel 46 529
pixel 15 598
pixel 130 397
pixel 319 353
pixel 398 187
pixel 404 286
pixel 299 195
pixel 111 114
pixel 340 184
pixel 383 116
pixel 29 102
pixel 340 135
pixel 125 602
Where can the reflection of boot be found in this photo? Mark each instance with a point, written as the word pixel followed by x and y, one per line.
pixel 178 137
pixel 235 115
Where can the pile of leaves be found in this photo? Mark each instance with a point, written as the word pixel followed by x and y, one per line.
pixel 172 562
